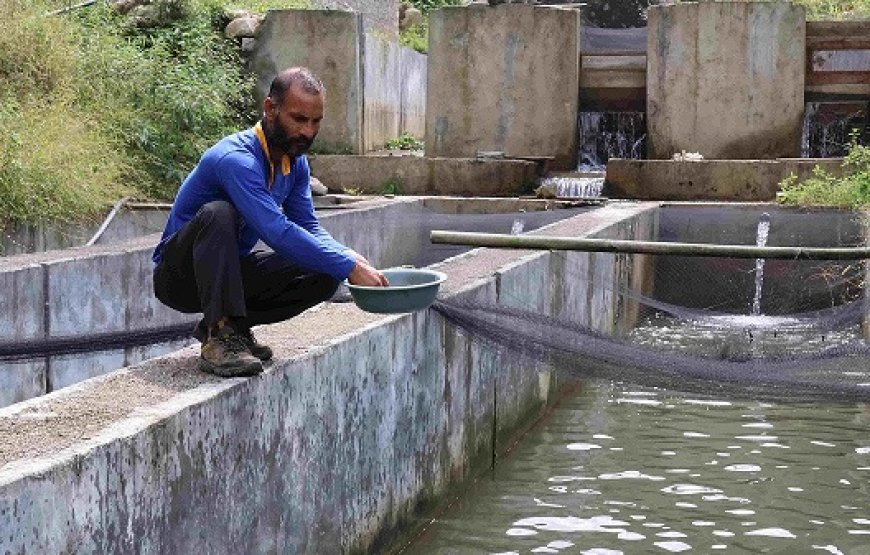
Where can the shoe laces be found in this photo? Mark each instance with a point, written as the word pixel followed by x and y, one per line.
pixel 233 341
pixel 248 336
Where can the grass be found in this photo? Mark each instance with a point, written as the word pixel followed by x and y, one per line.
pixel 405 141
pixel 94 107
pixel 836 9
pixel 417 37
pixel 824 189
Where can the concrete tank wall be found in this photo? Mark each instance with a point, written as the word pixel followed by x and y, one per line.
pixel 345 443
pixel 108 289
pixel 503 78
pixel 416 175
pixel 726 79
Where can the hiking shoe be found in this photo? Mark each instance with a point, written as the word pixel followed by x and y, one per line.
pixel 225 354
pixel 262 352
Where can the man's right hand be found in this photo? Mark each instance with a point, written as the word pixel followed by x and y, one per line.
pixel 364 274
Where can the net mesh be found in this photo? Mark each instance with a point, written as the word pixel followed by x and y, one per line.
pixel 779 330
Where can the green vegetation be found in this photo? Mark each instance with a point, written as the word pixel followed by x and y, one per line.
pixel 417 37
pixel 822 9
pixel 836 9
pixel 392 186
pixel 96 105
pixel 405 141
pixel 823 189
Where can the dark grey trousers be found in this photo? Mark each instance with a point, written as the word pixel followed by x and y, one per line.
pixel 201 271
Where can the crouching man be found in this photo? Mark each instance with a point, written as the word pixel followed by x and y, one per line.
pixel 250 186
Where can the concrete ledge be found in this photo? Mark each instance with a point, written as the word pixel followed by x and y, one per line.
pixel 415 175
pixel 734 180
pixel 360 425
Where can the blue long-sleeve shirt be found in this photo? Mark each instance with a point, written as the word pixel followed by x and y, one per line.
pixel 237 169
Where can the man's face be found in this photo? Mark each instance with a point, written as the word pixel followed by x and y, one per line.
pixel 290 128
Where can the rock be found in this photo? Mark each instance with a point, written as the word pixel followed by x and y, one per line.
pixel 688 156
pixel 546 191
pixel 145 15
pixel 124 6
pixel 410 18
pixel 249 45
pixel 242 27
pixel 318 188
pixel 237 14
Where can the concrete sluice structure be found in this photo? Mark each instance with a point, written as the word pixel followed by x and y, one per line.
pixel 358 429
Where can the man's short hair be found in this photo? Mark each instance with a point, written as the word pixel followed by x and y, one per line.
pixel 301 76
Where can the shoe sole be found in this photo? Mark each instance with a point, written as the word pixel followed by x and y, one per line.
pixel 263 355
pixel 239 371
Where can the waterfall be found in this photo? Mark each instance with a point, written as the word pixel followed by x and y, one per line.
pixel 761 241
pixel 828 127
pixel 605 135
pixel 573 187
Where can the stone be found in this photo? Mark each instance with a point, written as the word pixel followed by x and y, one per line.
pixel 144 15
pixel 242 27
pixel 237 14
pixel 124 6
pixel 318 188
pixel 249 45
pixel 410 18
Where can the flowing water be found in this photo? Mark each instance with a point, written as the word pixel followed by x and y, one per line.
pixel 621 469
pixel 829 126
pixel 761 241
pixel 605 135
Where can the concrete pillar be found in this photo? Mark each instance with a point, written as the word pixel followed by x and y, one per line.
pixel 726 79
pixel 503 78
pixel 328 42
pixel 865 324
pixel 378 16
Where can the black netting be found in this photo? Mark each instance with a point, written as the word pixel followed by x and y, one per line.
pixel 11 351
pixel 766 329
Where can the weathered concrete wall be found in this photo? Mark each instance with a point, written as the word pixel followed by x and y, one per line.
pixel 328 42
pixel 108 289
pixel 503 78
pixel 375 89
pixel 739 180
pixel 361 425
pixel 394 82
pixel 380 17
pixel 127 224
pixel 726 79
pixel 415 175
pixel 20 239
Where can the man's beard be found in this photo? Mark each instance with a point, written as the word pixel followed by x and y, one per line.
pixel 281 142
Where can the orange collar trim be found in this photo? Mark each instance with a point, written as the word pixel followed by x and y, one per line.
pixel 285 160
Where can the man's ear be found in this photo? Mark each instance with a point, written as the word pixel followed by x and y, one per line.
pixel 269 108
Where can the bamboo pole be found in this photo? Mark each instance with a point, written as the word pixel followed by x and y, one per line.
pixel 543 242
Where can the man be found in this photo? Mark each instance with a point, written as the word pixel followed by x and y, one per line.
pixel 250 186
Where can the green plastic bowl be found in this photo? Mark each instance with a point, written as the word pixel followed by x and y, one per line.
pixel 410 290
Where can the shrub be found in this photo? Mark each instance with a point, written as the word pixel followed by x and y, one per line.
pixel 57 162
pixel 824 189
pixel 417 37
pixel 94 107
pixel 167 92
pixel 404 142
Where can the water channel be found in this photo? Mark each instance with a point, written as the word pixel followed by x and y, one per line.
pixel 617 468
pixel 622 468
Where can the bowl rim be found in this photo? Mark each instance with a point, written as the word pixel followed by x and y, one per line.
pixel 440 277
